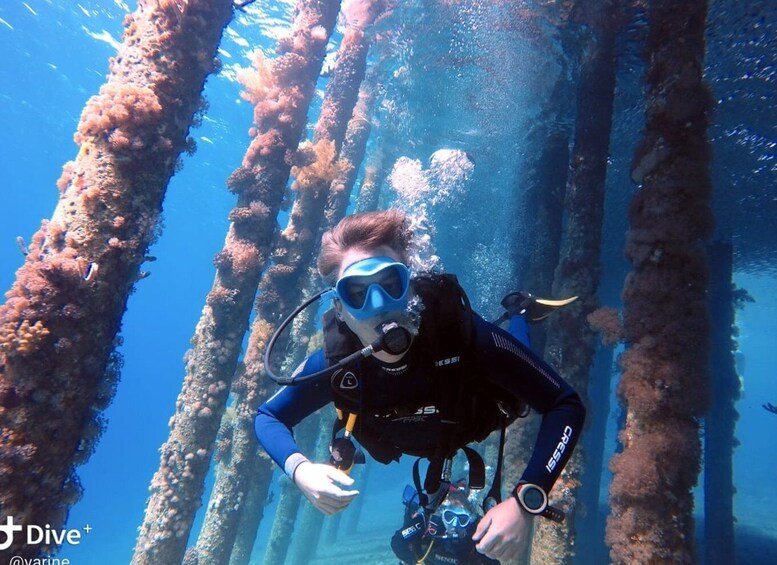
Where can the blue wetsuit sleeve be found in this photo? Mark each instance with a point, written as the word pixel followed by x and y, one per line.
pixel 511 366
pixel 290 405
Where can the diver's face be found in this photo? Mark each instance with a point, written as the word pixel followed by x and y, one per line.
pixel 361 326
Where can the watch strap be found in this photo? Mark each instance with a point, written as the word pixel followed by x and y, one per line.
pixel 553 513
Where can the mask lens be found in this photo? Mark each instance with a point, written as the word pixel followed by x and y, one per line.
pixel 391 282
pixel 355 292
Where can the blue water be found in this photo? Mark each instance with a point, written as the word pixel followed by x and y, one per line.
pixel 55 56
pixel 754 459
pixel 53 65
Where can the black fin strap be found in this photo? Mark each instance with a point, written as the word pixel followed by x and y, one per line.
pixel 477 469
pixel 495 494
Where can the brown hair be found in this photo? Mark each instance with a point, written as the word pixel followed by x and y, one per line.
pixel 368 230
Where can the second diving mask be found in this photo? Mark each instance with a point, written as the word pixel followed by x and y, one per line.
pixel 458 518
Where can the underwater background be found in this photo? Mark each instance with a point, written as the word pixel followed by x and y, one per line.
pixel 450 76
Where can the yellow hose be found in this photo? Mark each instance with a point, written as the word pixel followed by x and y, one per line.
pixel 428 551
pixel 350 424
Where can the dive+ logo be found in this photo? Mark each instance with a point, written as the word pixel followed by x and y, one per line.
pixel 35 535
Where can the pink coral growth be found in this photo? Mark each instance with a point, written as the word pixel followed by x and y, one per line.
pixel 290 68
pixel 644 485
pixel 68 172
pixel 122 114
pixel 607 322
pixel 220 295
pixel 255 211
pixel 259 81
pixel 319 33
pixel 263 146
pixel 244 256
pixel 362 13
pixel 241 179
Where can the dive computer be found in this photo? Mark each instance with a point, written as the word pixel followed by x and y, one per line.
pixel 534 500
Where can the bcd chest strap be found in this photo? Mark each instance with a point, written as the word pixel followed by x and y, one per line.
pixel 437 479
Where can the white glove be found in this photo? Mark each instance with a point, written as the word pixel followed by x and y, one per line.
pixel 317 483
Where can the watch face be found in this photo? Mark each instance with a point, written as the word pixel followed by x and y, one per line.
pixel 532 497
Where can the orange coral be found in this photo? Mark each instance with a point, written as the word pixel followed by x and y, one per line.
pixel 321 165
pixel 24 339
pixel 259 81
pixel 68 171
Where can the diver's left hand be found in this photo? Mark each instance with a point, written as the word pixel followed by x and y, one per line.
pixel 504 531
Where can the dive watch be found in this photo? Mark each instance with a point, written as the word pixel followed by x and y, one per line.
pixel 534 500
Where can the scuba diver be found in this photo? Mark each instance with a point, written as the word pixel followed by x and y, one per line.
pixel 445 536
pixel 412 369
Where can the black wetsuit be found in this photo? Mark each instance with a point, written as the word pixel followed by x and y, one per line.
pixel 498 357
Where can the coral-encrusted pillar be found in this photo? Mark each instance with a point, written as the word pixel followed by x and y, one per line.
pixel 280 538
pixel 570 341
pixel 664 384
pixel 372 182
pixel 350 158
pixel 281 91
pixel 348 163
pixel 251 515
pixel 59 325
pixel 281 290
pixel 542 199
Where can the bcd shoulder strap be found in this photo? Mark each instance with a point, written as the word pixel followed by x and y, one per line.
pixel 339 342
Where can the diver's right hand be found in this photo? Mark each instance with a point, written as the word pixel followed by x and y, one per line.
pixel 317 483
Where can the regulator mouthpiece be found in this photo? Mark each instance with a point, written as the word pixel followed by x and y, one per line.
pixel 394 339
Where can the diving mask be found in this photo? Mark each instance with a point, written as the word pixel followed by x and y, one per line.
pixel 456 518
pixel 373 286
